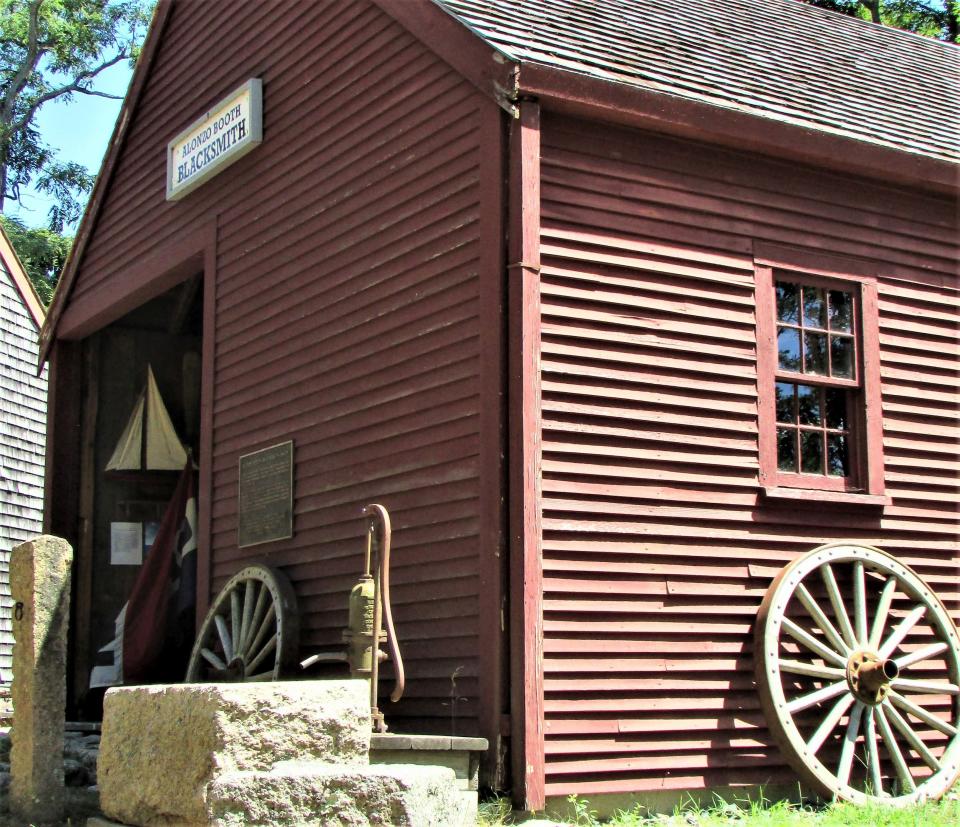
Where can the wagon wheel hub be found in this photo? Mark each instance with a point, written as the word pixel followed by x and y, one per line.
pixel 869 676
pixel 231 672
pixel 236 669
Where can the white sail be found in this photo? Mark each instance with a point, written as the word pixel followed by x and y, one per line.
pixel 164 451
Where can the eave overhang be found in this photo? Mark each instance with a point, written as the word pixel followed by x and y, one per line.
pixel 590 97
pixel 505 79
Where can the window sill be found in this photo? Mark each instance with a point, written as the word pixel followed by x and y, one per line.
pixel 821 496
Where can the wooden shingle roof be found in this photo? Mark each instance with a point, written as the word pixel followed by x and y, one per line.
pixel 781 60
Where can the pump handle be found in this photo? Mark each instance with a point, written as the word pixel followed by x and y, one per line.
pixel 373 511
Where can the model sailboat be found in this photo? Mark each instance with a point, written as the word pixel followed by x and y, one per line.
pixel 149 442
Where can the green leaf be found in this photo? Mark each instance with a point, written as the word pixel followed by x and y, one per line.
pixel 42 253
pixel 50 50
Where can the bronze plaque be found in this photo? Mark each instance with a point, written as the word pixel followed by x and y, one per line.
pixel 265 507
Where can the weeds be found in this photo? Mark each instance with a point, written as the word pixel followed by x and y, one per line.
pixel 495 812
pixel 747 812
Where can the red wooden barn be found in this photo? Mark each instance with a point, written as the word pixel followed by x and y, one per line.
pixel 549 279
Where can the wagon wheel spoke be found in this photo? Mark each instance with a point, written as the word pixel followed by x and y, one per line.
pixel 265 626
pixel 910 734
pixel 883 608
pixel 833 678
pixel 926 653
pixel 213 660
pixel 248 599
pixel 859 604
pixel 811 605
pixel 839 607
pixel 922 714
pixel 926 687
pixel 850 743
pixel 830 723
pixel 873 755
pixel 811 670
pixel 225 640
pixel 262 676
pixel 244 600
pixel 235 611
pixel 270 646
pixel 903 629
pixel 250 632
pixel 817 697
pixel 256 616
pixel 893 749
pixel 811 643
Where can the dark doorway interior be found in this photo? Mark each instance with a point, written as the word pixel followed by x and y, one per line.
pixel 166 335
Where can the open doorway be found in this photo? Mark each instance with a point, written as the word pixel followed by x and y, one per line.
pixel 142 383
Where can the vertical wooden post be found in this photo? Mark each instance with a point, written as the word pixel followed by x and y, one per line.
pixel 207 383
pixel 526 538
pixel 766 365
pixel 871 445
pixel 61 499
pixel 492 694
pixel 83 594
pixel 62 460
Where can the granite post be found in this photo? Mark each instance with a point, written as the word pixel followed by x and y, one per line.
pixel 40 587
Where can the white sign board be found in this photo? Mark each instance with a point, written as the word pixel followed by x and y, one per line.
pixel 210 144
pixel 126 544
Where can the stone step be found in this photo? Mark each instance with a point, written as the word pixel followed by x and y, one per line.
pixel 460 753
pixel 163 745
pixel 312 793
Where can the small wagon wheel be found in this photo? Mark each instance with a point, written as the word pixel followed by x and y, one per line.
pixel 250 632
pixel 858 668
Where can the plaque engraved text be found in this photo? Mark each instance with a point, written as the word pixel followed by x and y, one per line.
pixel 265 507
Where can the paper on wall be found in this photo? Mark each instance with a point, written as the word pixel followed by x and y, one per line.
pixel 126 544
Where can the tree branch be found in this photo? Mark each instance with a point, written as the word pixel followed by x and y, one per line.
pixel 27 67
pixel 94 93
pixel 74 86
pixel 872 6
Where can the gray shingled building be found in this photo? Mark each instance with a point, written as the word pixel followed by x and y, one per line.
pixel 23 410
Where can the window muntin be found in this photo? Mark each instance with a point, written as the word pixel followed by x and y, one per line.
pixel 816 339
pixel 813 430
pixel 816 331
pixel 845 311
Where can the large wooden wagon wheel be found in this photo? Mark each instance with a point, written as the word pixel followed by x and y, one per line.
pixel 858 668
pixel 250 632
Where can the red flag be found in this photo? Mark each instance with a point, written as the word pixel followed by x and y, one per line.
pixel 151 618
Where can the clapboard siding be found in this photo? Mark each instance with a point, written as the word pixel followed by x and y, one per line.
pixel 657 547
pixel 347 312
pixel 23 406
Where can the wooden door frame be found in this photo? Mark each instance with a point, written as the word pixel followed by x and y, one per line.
pixel 72 411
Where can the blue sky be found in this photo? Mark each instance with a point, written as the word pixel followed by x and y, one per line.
pixel 79 130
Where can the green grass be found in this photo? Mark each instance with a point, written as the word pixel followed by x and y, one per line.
pixel 749 813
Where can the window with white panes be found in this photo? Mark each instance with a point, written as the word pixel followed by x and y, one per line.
pixel 817 380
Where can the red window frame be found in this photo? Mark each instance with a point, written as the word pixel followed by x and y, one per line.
pixel 865 481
